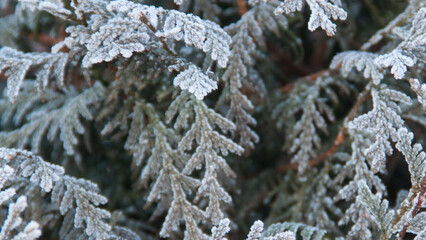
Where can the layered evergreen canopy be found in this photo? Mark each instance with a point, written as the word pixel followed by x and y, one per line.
pixel 212 119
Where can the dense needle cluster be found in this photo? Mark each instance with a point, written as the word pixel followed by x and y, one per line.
pixel 212 119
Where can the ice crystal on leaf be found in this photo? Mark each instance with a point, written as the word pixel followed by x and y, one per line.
pixel 54 7
pixel 16 64
pixel 416 160
pixel 219 231
pixel 377 208
pixel 118 36
pixel 289 231
pixel 255 230
pixel 61 115
pixel 356 168
pixel 418 226
pixel 112 87
pixel 420 90
pixel 70 193
pixel 382 122
pixel 285 231
pixel 195 81
pixel 397 60
pixel 6 173
pixel 106 39
pixel 305 199
pixel 381 125
pixel 304 137
pixel 38 171
pixel 42 173
pixel 289 6
pixel 202 34
pixel 163 167
pixel 247 34
pixel 31 231
pixel 415 157
pixel 322 11
pixel 13 220
pixel 362 61
pixel 78 198
pixel 209 146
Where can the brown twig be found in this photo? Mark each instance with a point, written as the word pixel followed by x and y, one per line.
pixel 242 7
pixel 45 39
pixel 339 138
pixel 420 199
pixel 145 20
pixel 311 78
pixel 83 15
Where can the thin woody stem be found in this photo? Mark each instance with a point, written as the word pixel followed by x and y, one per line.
pixel 311 78
pixel 242 7
pixel 339 138
pixel 420 199
pixel 83 15
pixel 145 20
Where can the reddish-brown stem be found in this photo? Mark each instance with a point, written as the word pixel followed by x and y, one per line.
pixel 339 138
pixel 311 78
pixel 420 199
pixel 151 27
pixel 83 16
pixel 242 7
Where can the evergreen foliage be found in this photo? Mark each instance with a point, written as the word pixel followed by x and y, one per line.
pixel 203 119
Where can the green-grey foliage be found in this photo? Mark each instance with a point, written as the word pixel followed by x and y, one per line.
pixel 209 119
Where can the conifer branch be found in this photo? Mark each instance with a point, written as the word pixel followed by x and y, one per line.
pixel 419 198
pixel 193 96
pixel 340 137
pixel 162 39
